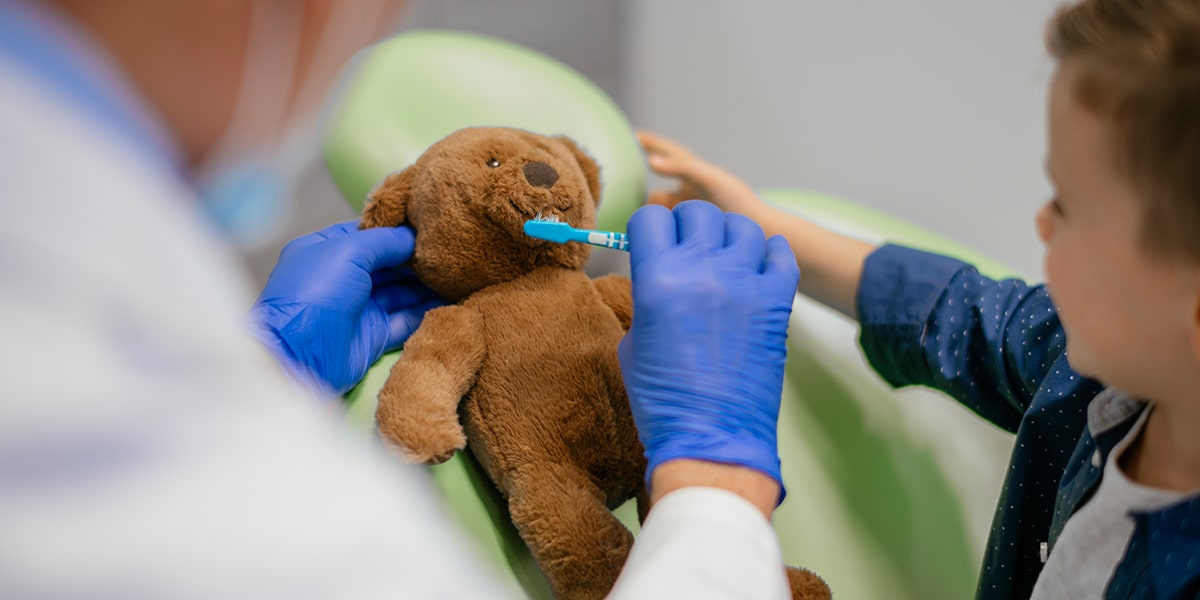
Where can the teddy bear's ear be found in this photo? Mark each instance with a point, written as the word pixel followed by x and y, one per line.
pixel 387 204
pixel 591 170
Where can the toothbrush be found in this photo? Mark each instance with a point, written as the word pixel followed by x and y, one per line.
pixel 559 232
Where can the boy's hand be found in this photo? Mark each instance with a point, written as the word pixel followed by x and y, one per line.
pixel 832 263
pixel 698 178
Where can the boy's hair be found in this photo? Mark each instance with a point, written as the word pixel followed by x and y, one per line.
pixel 1138 66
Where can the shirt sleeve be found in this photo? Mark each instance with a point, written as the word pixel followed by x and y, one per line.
pixel 935 321
pixel 704 543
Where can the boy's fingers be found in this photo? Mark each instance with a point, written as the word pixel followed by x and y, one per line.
pixel 666 165
pixel 664 198
pixel 655 143
pixel 664 156
pixel 658 144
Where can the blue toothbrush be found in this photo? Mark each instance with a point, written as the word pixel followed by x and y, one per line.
pixel 559 232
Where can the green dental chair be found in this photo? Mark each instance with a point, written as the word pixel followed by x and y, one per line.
pixel 889 493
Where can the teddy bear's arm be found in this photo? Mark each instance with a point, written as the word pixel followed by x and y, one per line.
pixel 418 405
pixel 617 293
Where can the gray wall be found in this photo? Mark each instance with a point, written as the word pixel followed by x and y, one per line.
pixel 930 110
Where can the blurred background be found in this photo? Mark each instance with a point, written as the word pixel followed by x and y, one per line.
pixel 932 111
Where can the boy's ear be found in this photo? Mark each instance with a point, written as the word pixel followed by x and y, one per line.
pixel 591 170
pixel 387 205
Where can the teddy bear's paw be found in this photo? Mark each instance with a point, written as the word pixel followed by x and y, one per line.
pixel 430 453
pixel 426 447
pixel 423 426
pixel 425 458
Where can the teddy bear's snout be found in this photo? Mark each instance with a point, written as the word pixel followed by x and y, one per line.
pixel 540 174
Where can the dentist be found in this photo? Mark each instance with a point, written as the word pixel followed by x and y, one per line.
pixel 156 441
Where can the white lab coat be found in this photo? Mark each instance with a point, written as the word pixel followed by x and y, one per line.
pixel 150 449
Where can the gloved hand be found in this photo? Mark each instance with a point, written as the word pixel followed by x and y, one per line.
pixel 704 359
pixel 338 299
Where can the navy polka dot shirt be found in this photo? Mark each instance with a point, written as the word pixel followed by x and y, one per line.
pixel 998 348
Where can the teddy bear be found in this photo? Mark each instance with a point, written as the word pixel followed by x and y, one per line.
pixel 522 368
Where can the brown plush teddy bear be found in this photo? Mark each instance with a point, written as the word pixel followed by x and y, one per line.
pixel 523 368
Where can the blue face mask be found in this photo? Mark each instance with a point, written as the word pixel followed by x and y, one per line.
pixel 246 200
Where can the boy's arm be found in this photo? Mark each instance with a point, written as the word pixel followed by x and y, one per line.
pixel 935 321
pixel 830 263
pixel 926 320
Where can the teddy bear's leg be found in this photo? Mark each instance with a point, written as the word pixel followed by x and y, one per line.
pixel 806 585
pixel 576 540
pixel 418 405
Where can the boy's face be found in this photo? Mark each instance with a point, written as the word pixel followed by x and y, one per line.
pixel 1130 319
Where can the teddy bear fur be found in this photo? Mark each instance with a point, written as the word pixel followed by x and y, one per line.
pixel 523 368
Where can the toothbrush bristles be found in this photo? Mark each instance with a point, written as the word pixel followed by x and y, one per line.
pixel 551 218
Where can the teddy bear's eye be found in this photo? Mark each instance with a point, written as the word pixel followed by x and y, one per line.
pixel 493 163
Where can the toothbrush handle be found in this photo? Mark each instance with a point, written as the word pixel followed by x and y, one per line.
pixel 608 239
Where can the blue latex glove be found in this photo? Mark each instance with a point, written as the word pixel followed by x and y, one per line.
pixel 704 359
pixel 337 300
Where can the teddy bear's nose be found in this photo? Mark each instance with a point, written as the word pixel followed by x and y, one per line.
pixel 540 174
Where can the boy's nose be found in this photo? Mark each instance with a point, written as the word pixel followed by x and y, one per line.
pixel 1044 223
pixel 540 174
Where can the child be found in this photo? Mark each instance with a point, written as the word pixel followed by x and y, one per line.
pixel 1097 372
